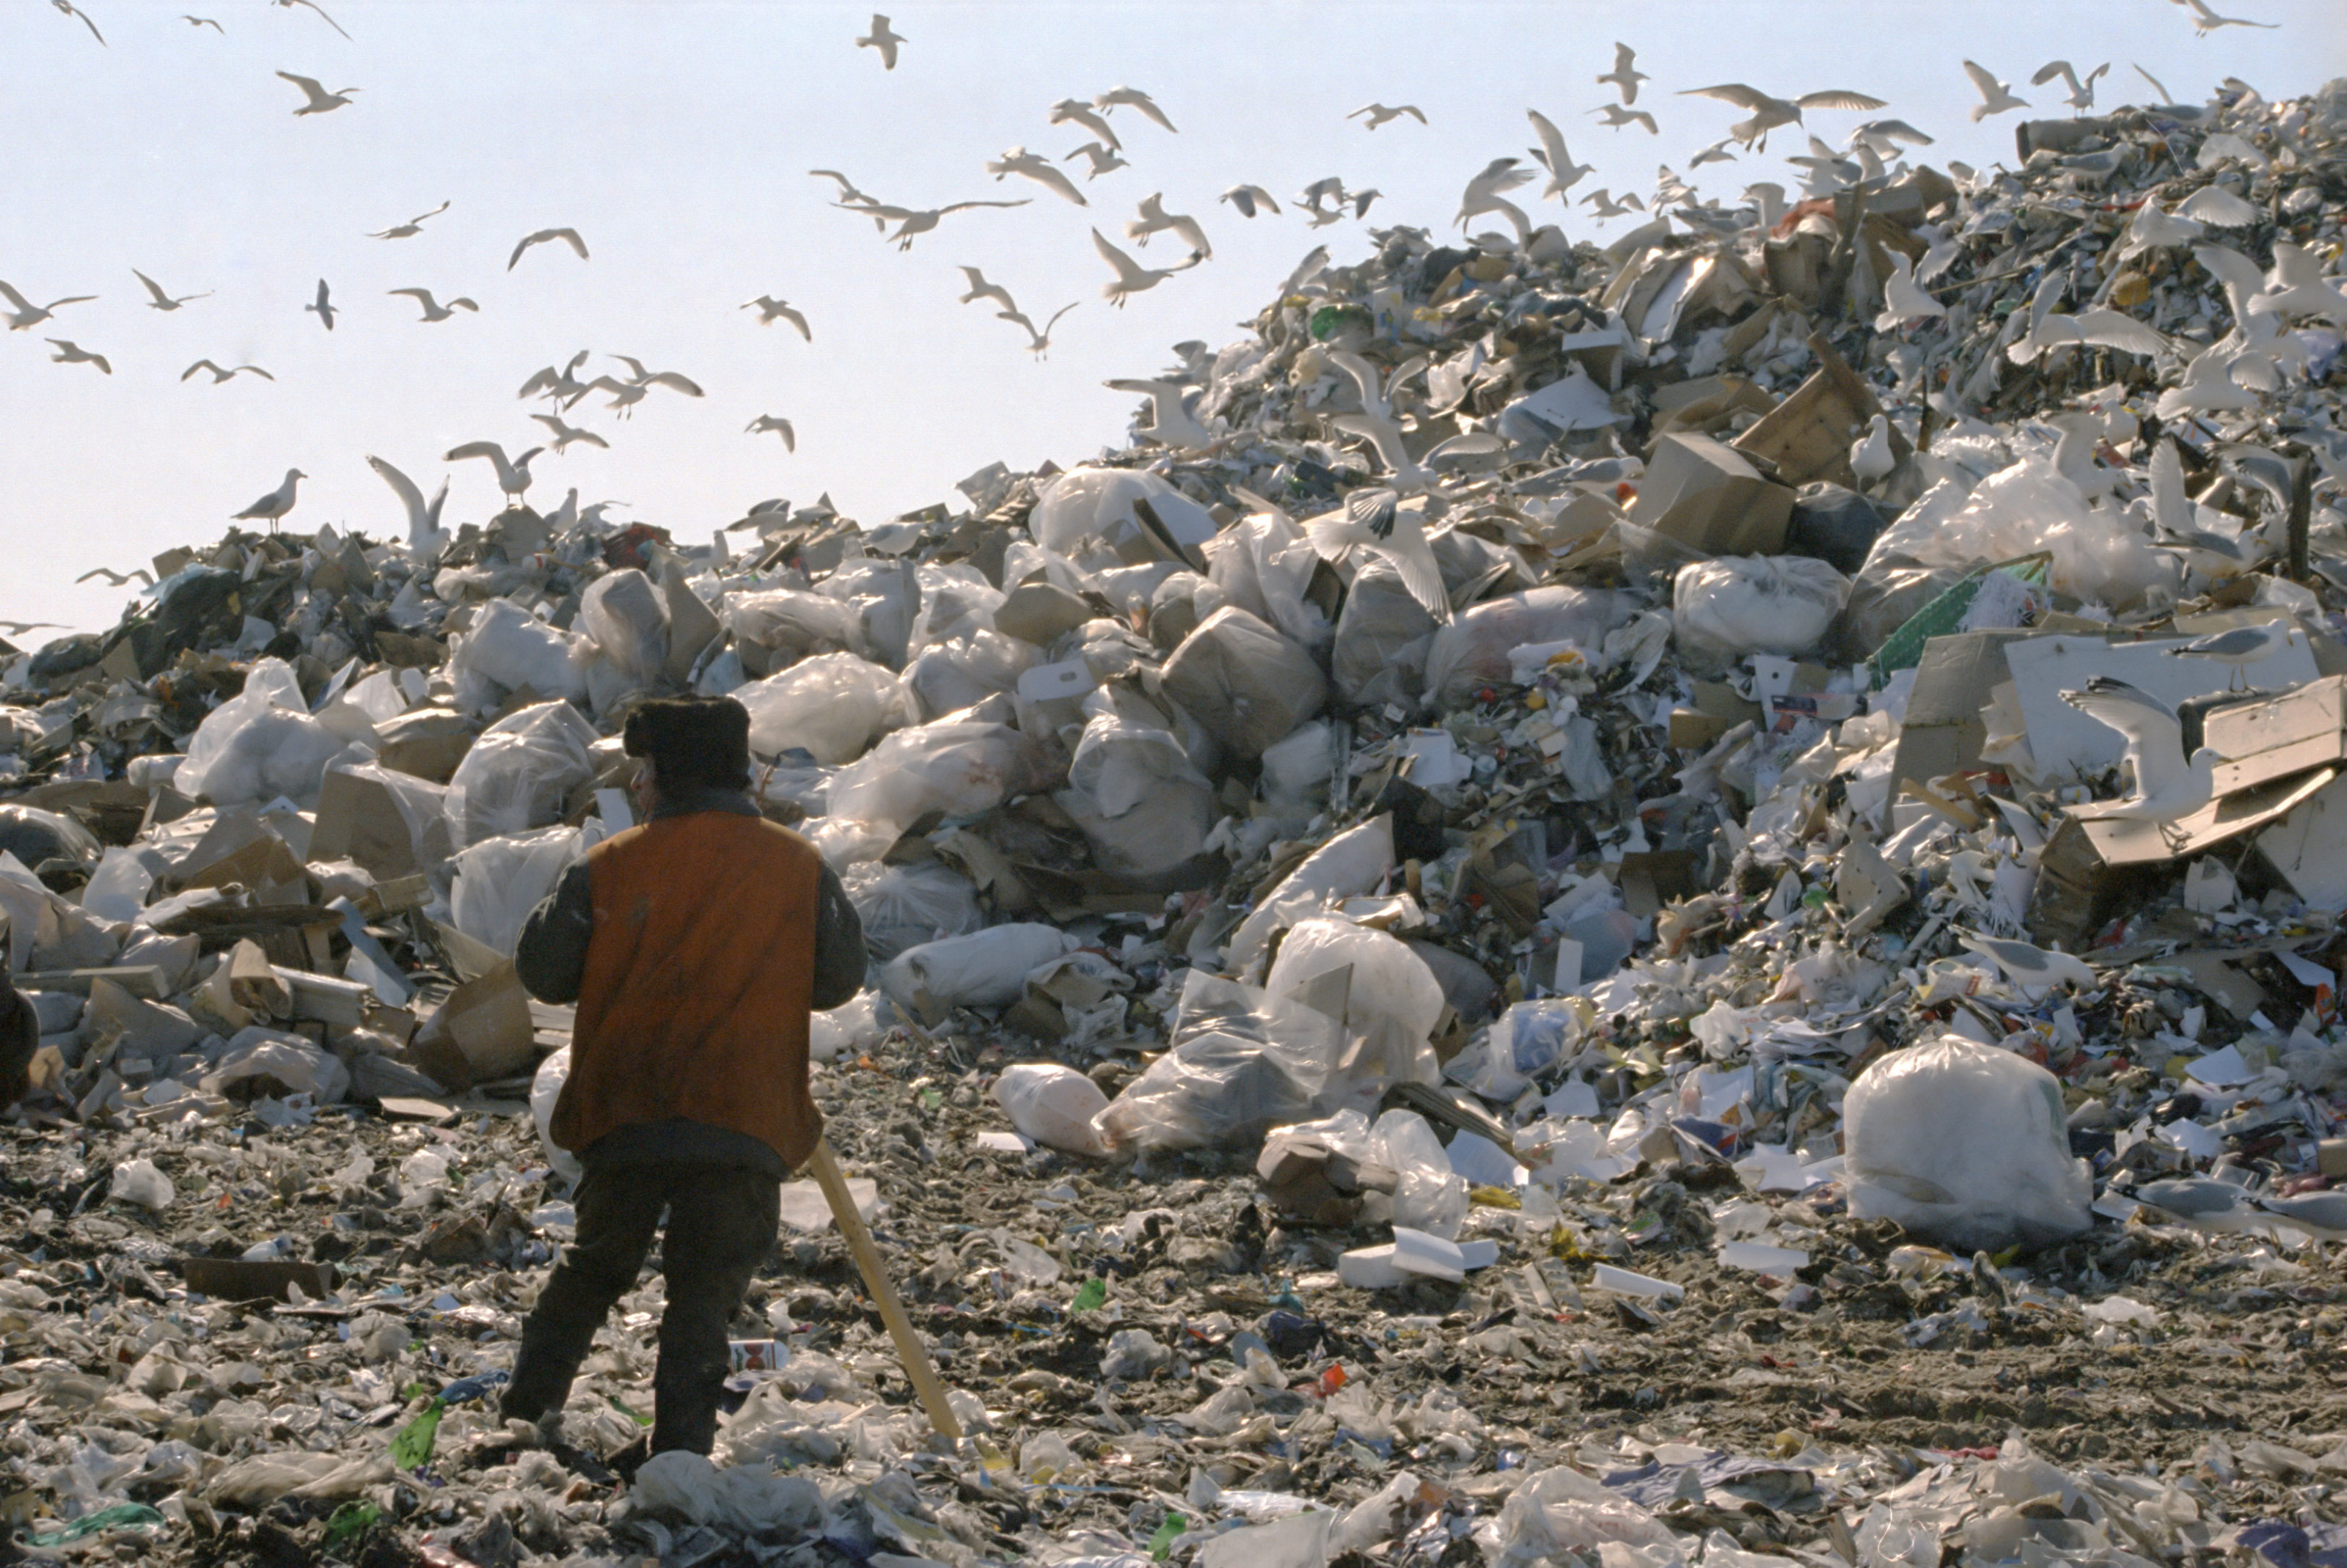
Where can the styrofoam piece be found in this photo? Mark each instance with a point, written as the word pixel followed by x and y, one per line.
pixel 1370 1268
pixel 1068 678
pixel 1762 1258
pixel 1480 1254
pixel 1626 1282
pixel 1422 1251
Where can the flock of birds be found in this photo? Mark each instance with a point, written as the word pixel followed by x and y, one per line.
pixel 1873 150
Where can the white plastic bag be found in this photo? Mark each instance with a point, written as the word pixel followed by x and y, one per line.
pixel 905 905
pixel 1388 982
pixel 259 744
pixel 628 618
pixel 984 969
pixel 1088 503
pixel 1350 864
pixel 506 649
pixel 1054 1105
pixel 1249 685
pixel 500 880
pixel 832 706
pixel 1430 1195
pixel 520 773
pixel 958 766
pixel 1263 564
pixel 793 621
pixel 1965 1143
pixel 1382 637
pixel 1143 807
pixel 139 1181
pixel 1472 653
pixel 2100 555
pixel 950 676
pixel 956 601
pixel 545 1089
pixel 1725 609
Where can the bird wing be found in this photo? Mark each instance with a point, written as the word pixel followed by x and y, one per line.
pixel 528 240
pixel 152 287
pixel 1988 85
pixel 1015 315
pixel 489 449
pixel 1363 374
pixel 2215 204
pixel 674 382
pixel 1736 93
pixel 960 206
pixel 571 238
pixel 13 298
pixel 2155 742
pixel 1128 270
pixel 256 370
pixel 404 488
pixel 435 212
pixel 1380 433
pixel 2238 274
pixel 307 83
pixel 2172 508
pixel 634 364
pixel 1552 152
pixel 1838 98
pixel 2116 329
pixel 798 321
pixel 1405 545
pixel 1063 310
pixel 2155 84
pixel 2048 72
pixel 200 364
pixel 545 380
pixel 423 296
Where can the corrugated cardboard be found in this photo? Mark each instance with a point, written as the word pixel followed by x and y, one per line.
pixel 359 820
pixel 1944 732
pixel 1703 494
pixel 483 1031
pixel 2308 850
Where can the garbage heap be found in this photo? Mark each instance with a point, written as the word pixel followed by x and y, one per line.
pixel 1495 943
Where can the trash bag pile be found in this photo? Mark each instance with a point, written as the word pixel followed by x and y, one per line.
pixel 1675 903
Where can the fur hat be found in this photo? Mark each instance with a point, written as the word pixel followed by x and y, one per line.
pixel 692 740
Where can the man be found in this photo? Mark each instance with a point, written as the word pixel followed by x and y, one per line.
pixel 695 946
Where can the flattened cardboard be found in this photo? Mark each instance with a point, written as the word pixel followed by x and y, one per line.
pixel 2064 742
pixel 1702 493
pixel 482 1032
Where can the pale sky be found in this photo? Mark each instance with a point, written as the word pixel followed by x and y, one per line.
pixel 676 138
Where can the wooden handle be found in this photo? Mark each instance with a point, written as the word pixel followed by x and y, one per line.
pixel 909 1348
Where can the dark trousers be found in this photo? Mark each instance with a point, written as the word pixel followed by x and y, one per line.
pixel 721 1224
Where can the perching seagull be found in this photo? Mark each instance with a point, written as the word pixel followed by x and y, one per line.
pixel 433 310
pixel 220 376
pixel 980 288
pixel 274 504
pixel 2240 647
pixel 2082 89
pixel 1037 343
pixel 424 534
pixel 320 101
pixel 1035 167
pixel 2167 786
pixel 70 353
pixel 1563 174
pixel 1247 198
pixel 1624 74
pixel 782 427
pixel 1871 456
pixel 1995 97
pixel 772 310
pixel 162 300
pixel 1381 113
pixel 2025 964
pixel 882 39
pixel 567 236
pixel 414 226
pixel 323 305
pixel 1617 116
pixel 513 477
pixel 1132 277
pixel 564 434
pixel 1131 98
pixel 1769 112
pixel 1154 220
pixel 313 5
pixel 27 313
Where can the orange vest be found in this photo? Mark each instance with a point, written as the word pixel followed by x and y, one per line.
pixel 700 974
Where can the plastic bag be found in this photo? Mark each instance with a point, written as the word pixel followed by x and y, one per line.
pixel 1247 684
pixel 1725 609
pixel 960 767
pixel 1965 1143
pixel 520 771
pixel 508 650
pixel 139 1181
pixel 1472 653
pixel 1382 637
pixel 947 677
pixel 1836 524
pixel 1263 564
pixel 905 905
pixel 545 1089
pixel 751 1499
pixel 500 880
pixel 628 618
pixel 956 601
pixel 985 968
pixel 262 1061
pixel 1054 1105
pixel 1430 1195
pixel 1389 983
pixel 793 621
pixel 2098 555
pixel 259 744
pixel 884 593
pixel 1350 864
pixel 1143 807
pixel 832 706
pixel 1088 503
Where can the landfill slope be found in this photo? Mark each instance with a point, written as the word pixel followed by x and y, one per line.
pixel 1580 992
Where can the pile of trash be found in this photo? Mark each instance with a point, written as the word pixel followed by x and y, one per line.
pixel 1516 937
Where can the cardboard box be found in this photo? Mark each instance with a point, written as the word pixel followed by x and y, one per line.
pixel 359 820
pixel 482 1032
pixel 1705 495
pixel 1807 436
pixel 426 742
pixel 1944 732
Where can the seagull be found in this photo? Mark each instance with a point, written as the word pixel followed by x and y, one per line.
pixel 1769 112
pixel 2298 287
pixel 1995 97
pixel 2082 90
pixel 1314 197
pixel 414 226
pixel 1376 393
pixel 1714 152
pixel 27 313
pixel 1132 277
pixel 513 477
pixel 69 352
pixel 203 22
pixel 564 434
pixel 2240 647
pixel 2025 964
pixel 772 310
pixel 1408 473
pixel 1601 202
pixel 68 8
pixel 1035 167
pixel 1247 198
pixel 1075 111
pixel 1885 135
pixel 567 236
pixel 626 394
pixel 565 517
pixel 782 427
pixel 1624 74
pixel 1563 174
pixel 162 300
pixel 1131 98
pixel 980 288
pixel 912 224
pixel 1381 113
pixel 2102 328
pixel 2153 227
pixel 848 194
pixel 1768 198
pixel 2167 786
pixel 320 101
pixel 424 534
pixel 1483 192
pixel 1374 521
pixel 1103 159
pixel 1154 220
pixel 1174 424
pixel 1039 342
pixel 1903 300
pixel 274 504
pixel 2206 386
pixel 1617 116
pixel 323 305
pixel 648 378
pixel 882 39
pixel 562 385
pixel 2220 209
pixel 433 310
pixel 1871 456
pixel 2175 520
pixel 138 574
pixel 330 22
pixel 2204 21
pixel 220 376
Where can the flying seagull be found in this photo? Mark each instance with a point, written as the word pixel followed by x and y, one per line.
pixel 274 504
pixel 2204 21
pixel 414 226
pixel 1075 111
pixel 1374 521
pixel 1903 300
pixel 162 300
pixel 320 101
pixel 138 574
pixel 204 22
pixel 1155 220
pixel 567 236
pixel 1624 74
pixel 772 310
pixel 1617 116
pixel 1769 112
pixel 67 7
pixel 2081 88
pixel 513 477
pixel 1132 277
pixel 1173 425
pixel 563 385
pixel 1995 97
pixel 1381 113
pixel 2103 328
pixel 1035 167
pixel 27 313
pixel 782 427
pixel 1103 159
pixel 423 519
pixel 1247 198
pixel 912 224
pixel 1563 174
pixel 70 353
pixel 1037 343
pixel 882 39
pixel 1131 98
pixel 564 434
pixel 220 376
pixel 980 288
pixel 433 310
pixel 313 5
pixel 323 305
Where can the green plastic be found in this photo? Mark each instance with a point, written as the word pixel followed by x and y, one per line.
pixel 411 1449
pixel 1903 648
pixel 1160 1545
pixel 1091 1297
pixel 121 1516
pixel 348 1522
